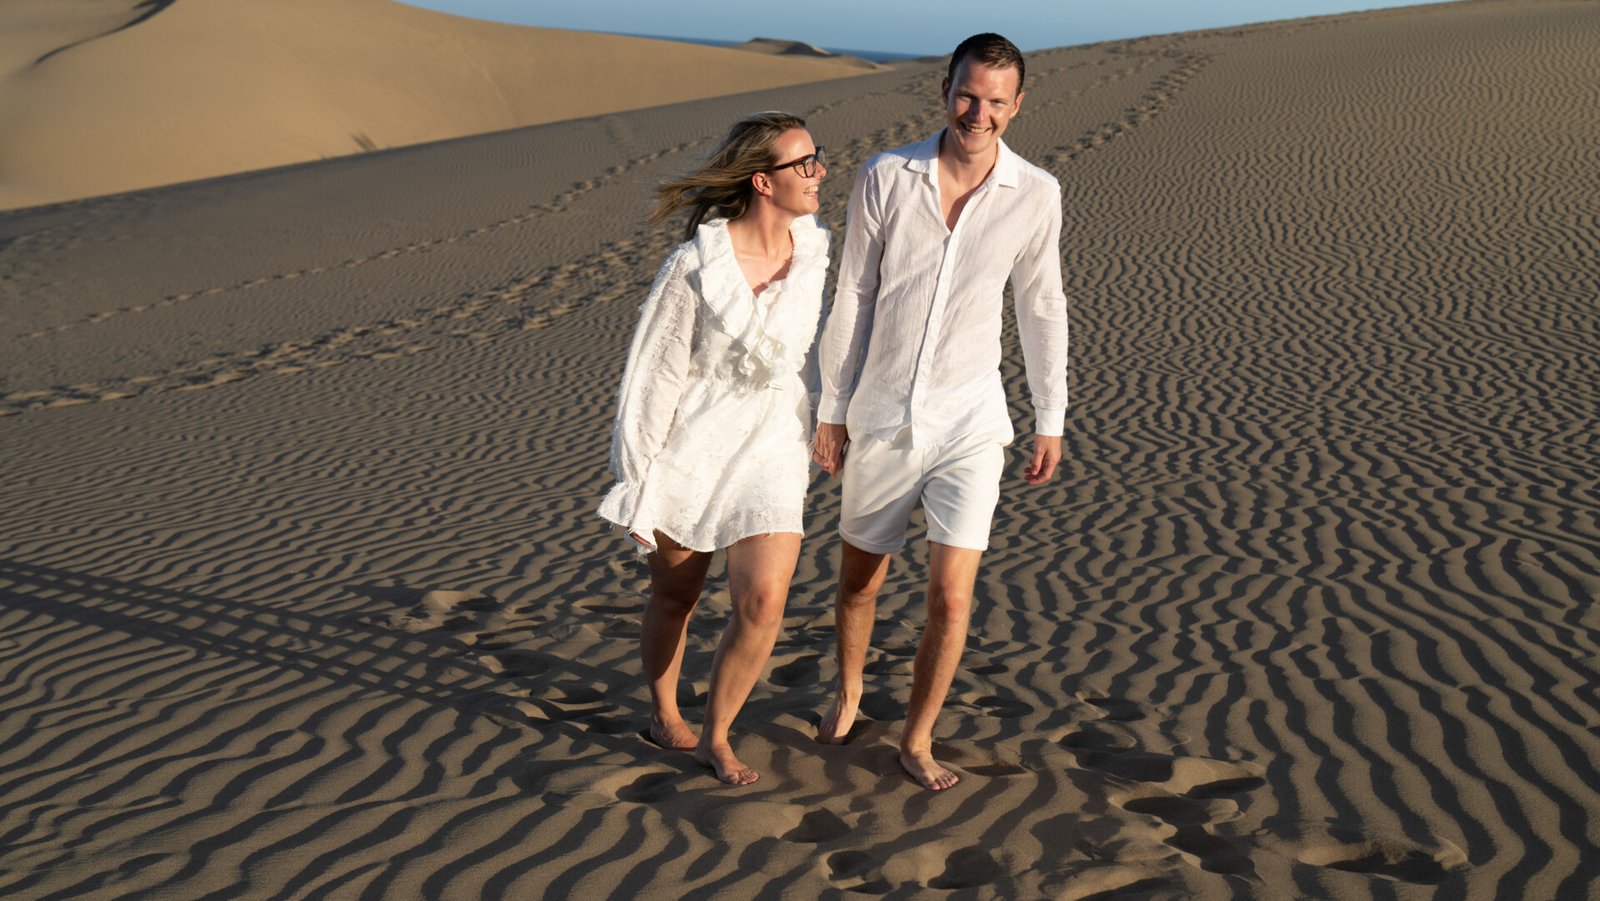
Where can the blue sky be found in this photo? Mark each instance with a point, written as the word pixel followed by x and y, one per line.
pixel 899 26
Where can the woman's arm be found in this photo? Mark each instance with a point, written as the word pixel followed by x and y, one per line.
pixel 653 381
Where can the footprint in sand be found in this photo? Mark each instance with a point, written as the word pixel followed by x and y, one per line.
pixel 1188 776
pixel 594 606
pixel 1187 795
pixel 817 827
pixel 581 705
pixel 1005 708
pixel 1116 710
pixel 804 671
pixel 587 786
pixel 997 770
pixel 1192 835
pixel 888 666
pixel 968 868
pixel 1096 740
pixel 743 821
pixel 858 873
pixel 440 610
pixel 651 788
pixel 572 702
pixel 1387 858
pixel 515 664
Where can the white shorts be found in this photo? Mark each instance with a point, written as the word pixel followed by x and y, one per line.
pixel 958 484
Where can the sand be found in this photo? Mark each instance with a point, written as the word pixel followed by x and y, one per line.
pixel 302 593
pixel 100 96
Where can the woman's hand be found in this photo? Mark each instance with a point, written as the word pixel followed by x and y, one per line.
pixel 827 446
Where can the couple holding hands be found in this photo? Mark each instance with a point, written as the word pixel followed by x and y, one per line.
pixel 710 448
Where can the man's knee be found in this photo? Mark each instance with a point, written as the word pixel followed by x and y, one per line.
pixel 857 592
pixel 949 607
pixel 860 575
pixel 950 584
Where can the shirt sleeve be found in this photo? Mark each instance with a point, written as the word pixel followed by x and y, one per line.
pixel 844 337
pixel 652 385
pixel 1042 319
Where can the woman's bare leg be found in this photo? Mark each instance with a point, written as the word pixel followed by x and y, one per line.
pixel 677 575
pixel 759 571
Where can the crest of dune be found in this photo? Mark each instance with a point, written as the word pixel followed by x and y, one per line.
pixel 101 96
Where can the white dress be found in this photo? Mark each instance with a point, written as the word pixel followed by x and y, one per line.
pixel 713 424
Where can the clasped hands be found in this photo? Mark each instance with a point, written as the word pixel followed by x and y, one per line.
pixel 828 446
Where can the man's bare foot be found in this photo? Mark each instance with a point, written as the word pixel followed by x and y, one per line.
pixel 727 767
pixel 674 736
pixel 835 726
pixel 926 770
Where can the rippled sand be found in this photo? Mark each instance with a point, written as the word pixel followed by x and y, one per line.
pixel 301 591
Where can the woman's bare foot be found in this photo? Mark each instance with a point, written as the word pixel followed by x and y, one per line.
pixel 927 771
pixel 728 768
pixel 674 735
pixel 835 726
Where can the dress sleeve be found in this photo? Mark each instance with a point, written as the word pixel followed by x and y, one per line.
pixel 652 385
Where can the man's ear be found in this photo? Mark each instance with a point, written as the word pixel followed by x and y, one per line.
pixel 944 91
pixel 1016 105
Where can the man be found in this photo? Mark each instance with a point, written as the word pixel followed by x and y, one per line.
pixel 910 360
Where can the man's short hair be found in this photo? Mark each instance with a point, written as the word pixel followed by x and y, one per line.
pixel 993 51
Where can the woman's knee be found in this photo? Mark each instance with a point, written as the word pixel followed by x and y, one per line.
pixel 761 606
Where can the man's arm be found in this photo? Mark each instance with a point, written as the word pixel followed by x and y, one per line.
pixel 844 337
pixel 1042 323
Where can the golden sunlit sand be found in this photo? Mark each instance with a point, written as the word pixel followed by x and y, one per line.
pixel 302 593
pixel 112 95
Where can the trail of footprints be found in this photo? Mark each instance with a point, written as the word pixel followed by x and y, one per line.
pixel 561 203
pixel 524 303
pixel 509 308
pixel 1157 100
pixel 1154 102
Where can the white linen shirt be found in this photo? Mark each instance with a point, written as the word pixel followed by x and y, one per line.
pixel 913 337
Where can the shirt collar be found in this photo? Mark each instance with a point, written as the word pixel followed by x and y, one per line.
pixel 925 156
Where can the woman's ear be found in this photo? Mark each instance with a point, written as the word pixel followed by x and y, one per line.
pixel 762 182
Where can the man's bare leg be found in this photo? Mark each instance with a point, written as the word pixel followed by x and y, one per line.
pixel 861 575
pixel 677 575
pixel 759 571
pixel 952 574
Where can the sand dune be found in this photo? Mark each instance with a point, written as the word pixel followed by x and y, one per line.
pixel 780 47
pixel 112 95
pixel 302 593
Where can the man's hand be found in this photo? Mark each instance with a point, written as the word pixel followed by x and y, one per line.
pixel 827 447
pixel 1046 454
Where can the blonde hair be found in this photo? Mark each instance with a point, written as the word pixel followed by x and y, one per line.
pixel 721 187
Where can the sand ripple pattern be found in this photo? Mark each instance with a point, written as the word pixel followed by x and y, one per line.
pixel 1309 612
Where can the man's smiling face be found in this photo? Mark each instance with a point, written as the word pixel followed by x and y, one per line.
pixel 979 103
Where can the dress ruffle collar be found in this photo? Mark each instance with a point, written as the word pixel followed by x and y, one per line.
pixel 758 359
pixel 721 280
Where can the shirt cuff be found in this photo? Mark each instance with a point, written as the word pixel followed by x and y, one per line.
pixel 832 410
pixel 1049 422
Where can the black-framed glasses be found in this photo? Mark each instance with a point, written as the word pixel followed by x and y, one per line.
pixel 807 165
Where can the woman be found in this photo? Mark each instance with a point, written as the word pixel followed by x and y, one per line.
pixel 710 443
